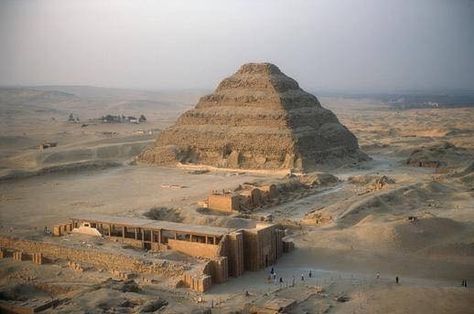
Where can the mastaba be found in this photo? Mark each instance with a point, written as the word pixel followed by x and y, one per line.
pixel 258 118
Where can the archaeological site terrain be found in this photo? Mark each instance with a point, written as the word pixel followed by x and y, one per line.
pixel 257 198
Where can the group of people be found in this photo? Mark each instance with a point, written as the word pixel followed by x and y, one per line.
pixel 273 277
pixel 464 283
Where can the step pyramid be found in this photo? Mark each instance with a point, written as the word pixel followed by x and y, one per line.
pixel 258 118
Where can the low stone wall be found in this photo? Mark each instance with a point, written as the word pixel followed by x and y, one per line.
pixel 127 241
pixel 93 257
pixel 194 248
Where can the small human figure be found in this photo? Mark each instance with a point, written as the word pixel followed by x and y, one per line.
pixel 462 283
pixel 272 271
pixel 378 275
pixel 310 274
pixel 247 294
pixel 281 281
pixel 302 277
pixel 396 279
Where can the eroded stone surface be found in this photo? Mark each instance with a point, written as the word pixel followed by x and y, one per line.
pixel 258 118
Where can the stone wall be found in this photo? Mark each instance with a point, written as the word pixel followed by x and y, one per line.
pixel 223 202
pixel 235 252
pixel 93 257
pixel 194 248
pixel 263 246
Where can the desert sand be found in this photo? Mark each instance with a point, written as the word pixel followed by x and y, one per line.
pixel 366 228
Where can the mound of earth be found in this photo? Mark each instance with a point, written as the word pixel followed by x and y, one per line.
pixel 320 178
pixel 371 182
pixel 258 118
pixel 438 155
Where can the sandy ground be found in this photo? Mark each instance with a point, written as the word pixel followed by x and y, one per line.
pixel 368 231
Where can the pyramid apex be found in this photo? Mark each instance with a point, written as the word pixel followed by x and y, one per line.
pixel 256 68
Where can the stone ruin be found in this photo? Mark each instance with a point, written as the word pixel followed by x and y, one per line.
pixel 258 118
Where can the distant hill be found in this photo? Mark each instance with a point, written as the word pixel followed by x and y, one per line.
pixel 91 102
pixel 408 100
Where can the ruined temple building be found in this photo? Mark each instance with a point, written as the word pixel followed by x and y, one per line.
pixel 229 251
pixel 258 118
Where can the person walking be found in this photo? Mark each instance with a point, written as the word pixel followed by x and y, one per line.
pixel 310 274
pixel 396 279
pixel 272 271
pixel 281 282
pixel 378 275
pixel 302 277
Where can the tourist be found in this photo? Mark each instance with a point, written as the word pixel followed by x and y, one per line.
pixel 281 282
pixel 272 271
pixel 378 275
pixel 302 277
pixel 396 279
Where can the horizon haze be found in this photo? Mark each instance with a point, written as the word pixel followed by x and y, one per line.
pixel 363 46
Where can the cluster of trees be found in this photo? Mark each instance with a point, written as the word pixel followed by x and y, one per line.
pixel 122 118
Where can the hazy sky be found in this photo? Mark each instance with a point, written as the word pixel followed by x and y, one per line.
pixel 371 45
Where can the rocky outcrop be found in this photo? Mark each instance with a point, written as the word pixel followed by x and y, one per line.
pixel 258 118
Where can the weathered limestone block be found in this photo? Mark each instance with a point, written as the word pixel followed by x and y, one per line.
pixel 197 282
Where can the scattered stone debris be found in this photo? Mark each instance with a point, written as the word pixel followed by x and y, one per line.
pixel 371 183
pixel 437 155
pixel 153 305
pixel 163 213
pixel 280 305
pixel 47 145
pixel 316 217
